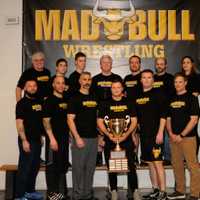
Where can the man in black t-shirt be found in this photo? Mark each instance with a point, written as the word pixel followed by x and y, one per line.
pixel 101 84
pixel 165 82
pixel 30 130
pixel 61 70
pixel 80 64
pixel 119 107
pixel 132 81
pixel 151 107
pixel 182 127
pixel 133 87
pixel 81 119
pixel 38 73
pixel 54 119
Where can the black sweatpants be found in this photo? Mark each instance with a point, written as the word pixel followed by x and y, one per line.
pixel 128 146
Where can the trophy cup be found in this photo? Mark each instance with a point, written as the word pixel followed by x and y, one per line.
pixel 118 161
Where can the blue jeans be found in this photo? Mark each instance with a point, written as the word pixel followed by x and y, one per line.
pixel 28 167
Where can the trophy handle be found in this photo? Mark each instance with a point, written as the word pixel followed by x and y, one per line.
pixel 127 121
pixel 106 120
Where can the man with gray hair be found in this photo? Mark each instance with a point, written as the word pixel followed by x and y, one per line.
pixel 38 73
pixel 101 87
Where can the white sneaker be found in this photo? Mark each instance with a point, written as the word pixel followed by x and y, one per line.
pixel 114 195
pixel 136 195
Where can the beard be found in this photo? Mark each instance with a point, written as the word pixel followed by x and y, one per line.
pixel 31 95
pixel 159 70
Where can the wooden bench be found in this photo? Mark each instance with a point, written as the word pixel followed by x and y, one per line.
pixel 11 171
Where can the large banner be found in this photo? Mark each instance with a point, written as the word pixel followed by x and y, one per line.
pixel 121 28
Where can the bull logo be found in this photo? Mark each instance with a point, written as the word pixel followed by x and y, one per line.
pixel 113 20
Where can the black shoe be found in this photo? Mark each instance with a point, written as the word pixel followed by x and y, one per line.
pixel 152 194
pixel 167 162
pixel 162 196
pixel 42 162
pixel 176 195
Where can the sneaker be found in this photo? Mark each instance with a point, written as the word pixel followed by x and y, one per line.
pixel 152 194
pixel 136 195
pixel 55 196
pixel 33 195
pixel 114 195
pixel 162 196
pixel 176 195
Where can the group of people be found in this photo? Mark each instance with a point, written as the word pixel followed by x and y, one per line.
pixel 63 109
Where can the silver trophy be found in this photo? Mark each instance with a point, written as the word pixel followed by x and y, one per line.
pixel 117 127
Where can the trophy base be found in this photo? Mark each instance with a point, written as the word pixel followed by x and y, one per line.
pixel 118 162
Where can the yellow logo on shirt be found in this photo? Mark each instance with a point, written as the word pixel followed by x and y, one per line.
pixel 158 84
pixel 63 106
pixel 104 83
pixel 131 83
pixel 37 107
pixel 90 104
pixel 177 104
pixel 43 78
pixel 156 152
pixel 142 100
pixel 120 108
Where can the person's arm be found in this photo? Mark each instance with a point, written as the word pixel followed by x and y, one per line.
pixel 131 129
pixel 159 136
pixel 48 128
pixel 22 135
pixel 102 127
pixel 72 126
pixel 190 125
pixel 18 93
pixel 169 129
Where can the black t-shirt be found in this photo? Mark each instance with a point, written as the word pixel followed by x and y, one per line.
pixel 30 111
pixel 56 109
pixel 151 106
pixel 166 83
pixel 66 93
pixel 132 85
pixel 181 107
pixel 41 77
pixel 193 84
pixel 101 85
pixel 74 84
pixel 85 109
pixel 116 109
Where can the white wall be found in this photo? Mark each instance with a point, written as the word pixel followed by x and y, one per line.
pixel 10 70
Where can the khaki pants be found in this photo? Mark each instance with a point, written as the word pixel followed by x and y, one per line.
pixel 186 149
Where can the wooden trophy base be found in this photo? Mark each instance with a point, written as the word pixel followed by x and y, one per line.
pixel 118 162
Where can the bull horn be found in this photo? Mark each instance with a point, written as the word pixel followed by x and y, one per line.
pixel 129 13
pixel 98 13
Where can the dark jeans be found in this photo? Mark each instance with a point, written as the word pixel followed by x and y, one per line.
pixel 57 166
pixel 28 167
pixel 132 176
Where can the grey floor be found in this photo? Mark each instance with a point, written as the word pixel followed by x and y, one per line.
pixel 100 193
